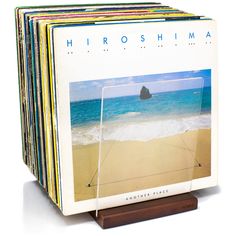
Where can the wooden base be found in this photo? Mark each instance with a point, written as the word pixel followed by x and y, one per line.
pixel 137 212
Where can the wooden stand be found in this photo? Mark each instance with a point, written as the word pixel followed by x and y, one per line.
pixel 137 212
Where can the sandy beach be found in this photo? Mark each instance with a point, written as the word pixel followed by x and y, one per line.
pixel 134 165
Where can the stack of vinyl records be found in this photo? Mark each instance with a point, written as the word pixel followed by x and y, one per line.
pixel 118 102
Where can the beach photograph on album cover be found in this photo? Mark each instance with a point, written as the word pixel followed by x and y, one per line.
pixel 147 131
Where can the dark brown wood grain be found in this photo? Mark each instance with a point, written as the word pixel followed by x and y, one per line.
pixel 128 214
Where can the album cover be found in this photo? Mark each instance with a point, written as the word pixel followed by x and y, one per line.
pixel 136 111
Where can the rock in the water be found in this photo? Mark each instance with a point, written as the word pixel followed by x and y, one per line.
pixel 144 93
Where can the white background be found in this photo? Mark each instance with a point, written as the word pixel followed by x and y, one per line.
pixel 25 209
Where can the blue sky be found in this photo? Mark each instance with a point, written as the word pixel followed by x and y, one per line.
pixel 126 86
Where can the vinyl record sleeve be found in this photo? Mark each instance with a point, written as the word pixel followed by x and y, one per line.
pixel 88 60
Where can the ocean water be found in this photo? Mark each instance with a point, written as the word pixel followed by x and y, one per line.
pixel 130 118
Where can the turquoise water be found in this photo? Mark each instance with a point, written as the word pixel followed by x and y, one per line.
pixel 165 105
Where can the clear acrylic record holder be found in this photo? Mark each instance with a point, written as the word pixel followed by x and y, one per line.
pixel 148 142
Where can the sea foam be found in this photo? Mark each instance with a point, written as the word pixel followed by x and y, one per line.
pixel 145 130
